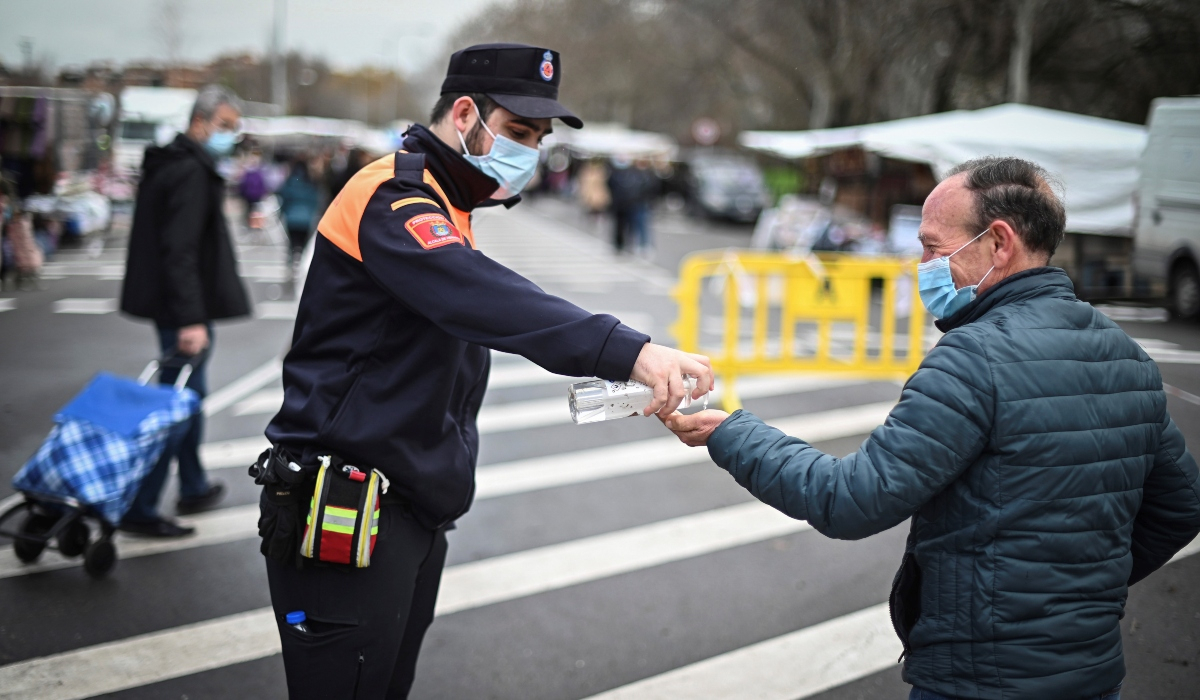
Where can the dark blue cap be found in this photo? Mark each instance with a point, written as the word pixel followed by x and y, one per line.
pixel 520 78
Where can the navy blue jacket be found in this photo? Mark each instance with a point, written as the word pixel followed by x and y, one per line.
pixel 1043 475
pixel 389 358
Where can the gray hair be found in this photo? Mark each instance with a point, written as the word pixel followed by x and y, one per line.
pixel 1019 192
pixel 211 98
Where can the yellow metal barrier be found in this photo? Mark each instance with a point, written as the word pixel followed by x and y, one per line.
pixel 758 312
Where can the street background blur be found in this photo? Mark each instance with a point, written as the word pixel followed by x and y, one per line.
pixel 597 561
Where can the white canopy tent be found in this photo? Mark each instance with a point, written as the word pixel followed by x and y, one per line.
pixel 1096 159
pixel 607 139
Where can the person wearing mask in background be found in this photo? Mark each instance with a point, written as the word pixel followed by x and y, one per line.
pixel 388 367
pixel 1032 450
pixel 181 274
pixel 298 201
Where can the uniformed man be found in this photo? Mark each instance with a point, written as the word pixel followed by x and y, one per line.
pixel 389 364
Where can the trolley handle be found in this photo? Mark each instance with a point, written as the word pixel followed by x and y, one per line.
pixel 187 365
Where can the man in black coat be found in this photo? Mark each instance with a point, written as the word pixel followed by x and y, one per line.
pixel 181 273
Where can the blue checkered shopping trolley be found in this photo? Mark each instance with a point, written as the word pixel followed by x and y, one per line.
pixel 90 467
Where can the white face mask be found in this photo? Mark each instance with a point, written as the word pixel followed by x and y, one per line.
pixel 508 162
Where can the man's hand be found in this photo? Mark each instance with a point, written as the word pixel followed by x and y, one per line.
pixel 662 369
pixel 192 340
pixel 694 430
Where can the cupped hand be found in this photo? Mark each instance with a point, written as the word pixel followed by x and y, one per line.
pixel 694 430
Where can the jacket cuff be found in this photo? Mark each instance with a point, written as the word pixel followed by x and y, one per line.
pixel 724 442
pixel 620 353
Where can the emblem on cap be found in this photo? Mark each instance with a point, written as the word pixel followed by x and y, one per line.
pixel 547 69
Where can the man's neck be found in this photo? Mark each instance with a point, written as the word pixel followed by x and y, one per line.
pixel 446 132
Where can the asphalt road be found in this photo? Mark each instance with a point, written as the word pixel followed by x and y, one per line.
pixel 597 560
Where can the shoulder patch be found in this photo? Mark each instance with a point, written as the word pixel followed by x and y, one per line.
pixel 433 231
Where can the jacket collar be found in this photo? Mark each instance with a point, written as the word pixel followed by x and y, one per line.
pixel 464 184
pixel 197 151
pixel 1026 284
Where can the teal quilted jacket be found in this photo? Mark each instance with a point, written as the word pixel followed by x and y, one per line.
pixel 1034 454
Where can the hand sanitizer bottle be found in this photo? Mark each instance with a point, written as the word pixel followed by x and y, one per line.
pixel 600 400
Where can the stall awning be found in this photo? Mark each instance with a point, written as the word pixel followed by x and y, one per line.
pixel 607 140
pixel 1096 159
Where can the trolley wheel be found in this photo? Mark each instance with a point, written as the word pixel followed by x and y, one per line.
pixel 73 540
pixel 36 525
pixel 100 558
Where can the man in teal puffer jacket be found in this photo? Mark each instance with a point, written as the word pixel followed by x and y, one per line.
pixel 1032 450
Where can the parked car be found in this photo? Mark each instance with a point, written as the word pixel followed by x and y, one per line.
pixel 726 186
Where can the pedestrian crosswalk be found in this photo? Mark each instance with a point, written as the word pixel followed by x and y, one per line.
pixel 582 538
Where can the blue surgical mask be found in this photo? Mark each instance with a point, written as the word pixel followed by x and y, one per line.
pixel 508 162
pixel 221 143
pixel 936 285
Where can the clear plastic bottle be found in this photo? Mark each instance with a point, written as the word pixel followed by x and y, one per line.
pixel 297 620
pixel 600 400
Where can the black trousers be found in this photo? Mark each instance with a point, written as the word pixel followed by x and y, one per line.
pixel 365 626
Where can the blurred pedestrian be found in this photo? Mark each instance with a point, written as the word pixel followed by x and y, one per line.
pixel 252 186
pixel 356 158
pixel 298 202
pixel 593 188
pixel 27 256
pixel 1032 450
pixel 182 274
pixel 626 186
pixel 650 185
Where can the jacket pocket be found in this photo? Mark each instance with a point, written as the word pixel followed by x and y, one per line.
pixel 904 603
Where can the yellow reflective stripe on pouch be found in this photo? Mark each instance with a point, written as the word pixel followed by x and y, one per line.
pixel 334 527
pixel 340 512
pixel 413 200
pixel 370 507
pixel 310 532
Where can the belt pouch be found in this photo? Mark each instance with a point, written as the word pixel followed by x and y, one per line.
pixel 343 519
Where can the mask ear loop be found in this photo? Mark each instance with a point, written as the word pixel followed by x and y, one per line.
pixel 485 128
pixel 964 245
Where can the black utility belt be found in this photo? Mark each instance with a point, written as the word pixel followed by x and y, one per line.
pixel 342 520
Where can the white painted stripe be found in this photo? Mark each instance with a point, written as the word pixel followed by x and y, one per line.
pixel 238 389
pixel 142 660
pixel 8 304
pixel 1168 356
pixel 216 527
pixel 794 666
pixel 264 401
pixel 85 306
pixel 275 310
pixel 181 651
pixel 226 454
pixel 1188 550
pixel 558 566
pixel 651 455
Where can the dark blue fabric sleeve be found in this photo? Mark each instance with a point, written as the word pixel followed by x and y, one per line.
pixel 478 300
pixel 1170 514
pixel 936 431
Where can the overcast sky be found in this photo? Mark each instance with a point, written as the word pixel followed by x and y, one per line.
pixel 405 33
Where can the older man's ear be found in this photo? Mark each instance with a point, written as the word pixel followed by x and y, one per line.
pixel 693 430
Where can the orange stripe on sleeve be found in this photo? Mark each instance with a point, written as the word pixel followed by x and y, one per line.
pixel 413 200
pixel 341 221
